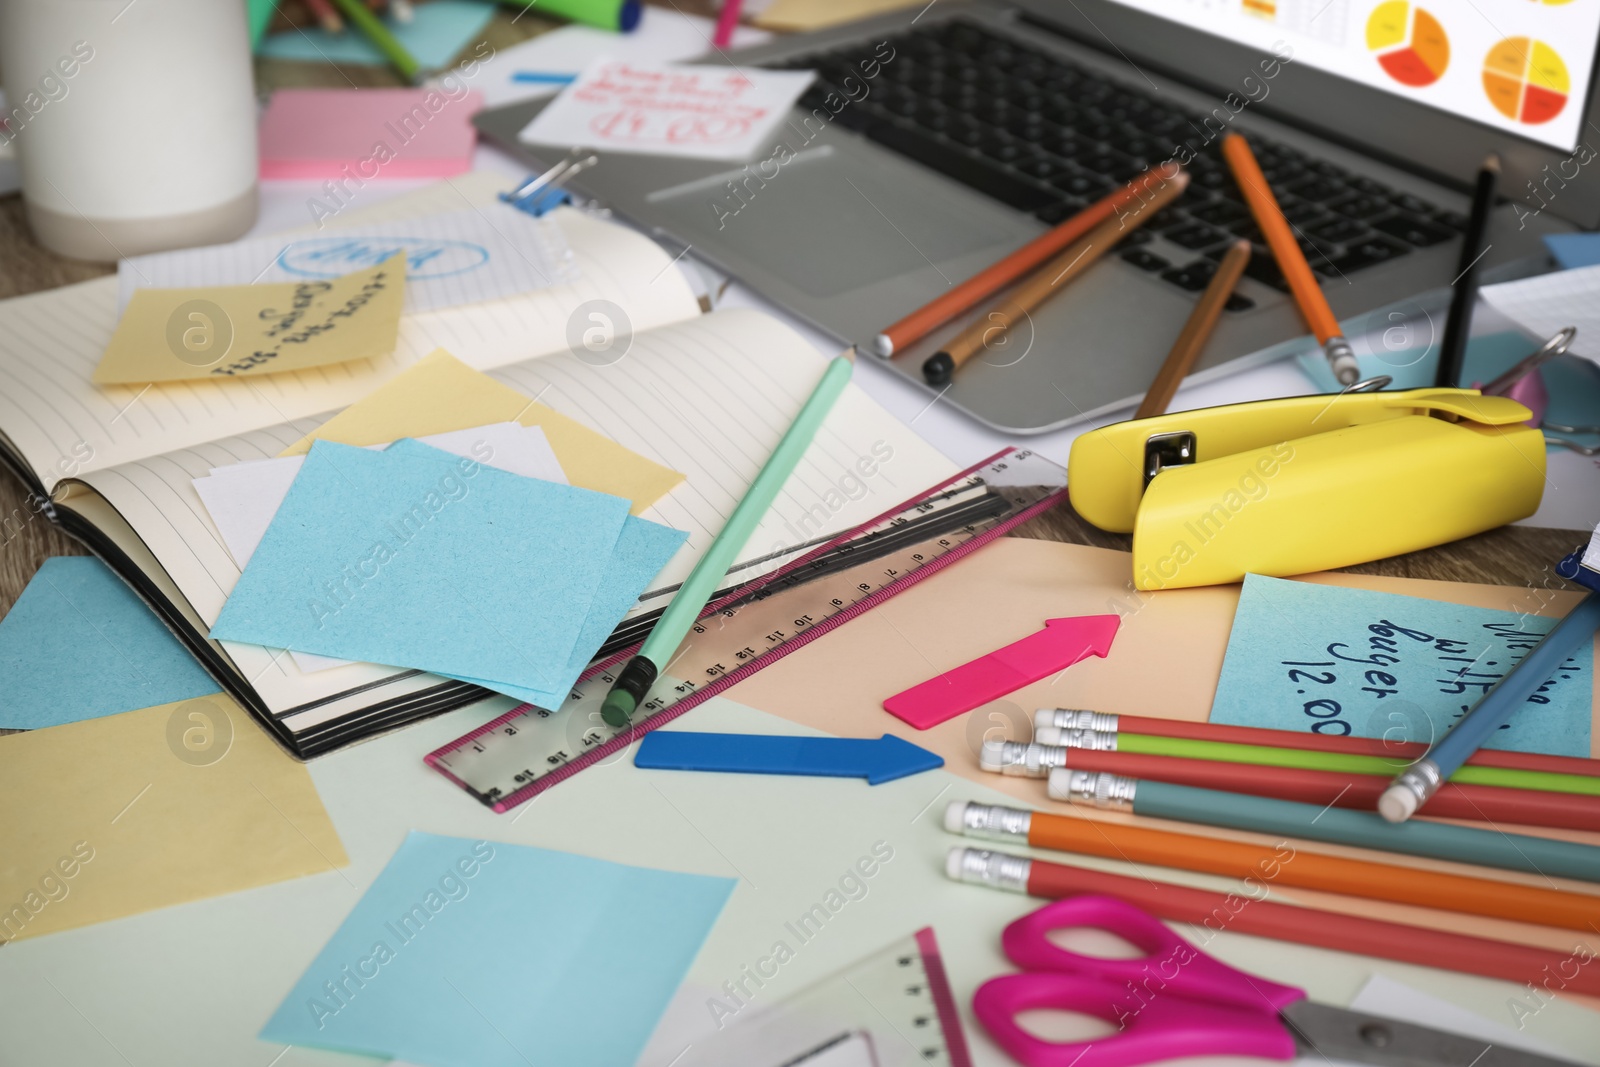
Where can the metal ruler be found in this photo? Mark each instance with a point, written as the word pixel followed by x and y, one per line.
pixel 529 749
pixel 892 1008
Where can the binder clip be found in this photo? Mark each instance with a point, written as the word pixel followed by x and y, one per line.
pixel 1284 487
pixel 545 192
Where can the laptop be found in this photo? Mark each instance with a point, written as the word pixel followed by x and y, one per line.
pixel 934 141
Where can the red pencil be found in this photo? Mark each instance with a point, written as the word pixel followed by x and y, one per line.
pixel 1282 922
pixel 1400 751
pixel 1477 803
pixel 1029 257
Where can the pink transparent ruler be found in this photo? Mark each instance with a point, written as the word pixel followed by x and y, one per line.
pixel 529 749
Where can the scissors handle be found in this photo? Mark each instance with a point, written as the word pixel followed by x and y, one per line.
pixel 1169 963
pixel 1153 1027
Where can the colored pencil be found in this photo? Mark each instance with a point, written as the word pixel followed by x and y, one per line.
pixel 1233 913
pixel 1464 292
pixel 325 15
pixel 1275 230
pixel 1264 863
pixel 1473 803
pixel 1413 786
pixel 991 326
pixel 1192 338
pixel 995 277
pixel 1361 829
pixel 1399 752
pixel 364 20
pixel 727 22
pixel 635 680
pixel 1317 760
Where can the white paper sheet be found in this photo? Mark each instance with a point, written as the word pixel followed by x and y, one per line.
pixel 1548 303
pixel 661 109
pixel 453 258
pixel 242 498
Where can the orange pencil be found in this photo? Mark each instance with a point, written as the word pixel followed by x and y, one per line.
pixel 1280 865
pixel 998 275
pixel 1291 261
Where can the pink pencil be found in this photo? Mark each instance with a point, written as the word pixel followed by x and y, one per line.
pixel 727 22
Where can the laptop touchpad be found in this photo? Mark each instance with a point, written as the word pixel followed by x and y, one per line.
pixel 825 225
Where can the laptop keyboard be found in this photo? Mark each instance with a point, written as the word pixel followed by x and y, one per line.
pixel 1048 137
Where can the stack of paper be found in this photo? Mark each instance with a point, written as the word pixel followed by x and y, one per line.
pixel 413 557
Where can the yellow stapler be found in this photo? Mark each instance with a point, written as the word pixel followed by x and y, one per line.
pixel 1303 484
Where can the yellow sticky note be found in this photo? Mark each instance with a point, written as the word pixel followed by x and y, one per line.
pixel 120 815
pixel 439 393
pixel 244 331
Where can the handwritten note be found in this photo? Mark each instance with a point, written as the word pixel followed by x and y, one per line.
pixel 452 258
pixel 702 112
pixel 242 331
pixel 1354 662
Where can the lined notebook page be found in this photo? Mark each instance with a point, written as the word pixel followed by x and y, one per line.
pixel 710 398
pixel 50 343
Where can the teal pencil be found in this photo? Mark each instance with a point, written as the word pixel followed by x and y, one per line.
pixel 635 680
pixel 364 20
pixel 1211 807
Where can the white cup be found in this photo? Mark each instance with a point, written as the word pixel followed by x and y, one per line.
pixel 134 122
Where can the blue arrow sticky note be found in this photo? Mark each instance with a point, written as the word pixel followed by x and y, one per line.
pixel 79 644
pixel 878 760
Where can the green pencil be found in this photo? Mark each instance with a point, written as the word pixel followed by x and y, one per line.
pixel 385 42
pixel 1308 759
pixel 635 680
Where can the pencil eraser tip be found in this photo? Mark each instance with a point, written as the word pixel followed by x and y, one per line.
pixel 1044 717
pixel 989 756
pixel 883 346
pixel 1047 735
pixel 1398 803
pixel 953 862
pixel 955 814
pixel 939 368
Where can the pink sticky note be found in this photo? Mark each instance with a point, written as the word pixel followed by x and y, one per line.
pixel 363 134
pixel 1058 646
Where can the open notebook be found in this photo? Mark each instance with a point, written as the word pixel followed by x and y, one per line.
pixel 707 395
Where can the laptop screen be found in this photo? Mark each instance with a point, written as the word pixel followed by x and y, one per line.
pixel 1518 65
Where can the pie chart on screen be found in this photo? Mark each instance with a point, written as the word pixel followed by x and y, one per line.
pixel 1526 80
pixel 1411 46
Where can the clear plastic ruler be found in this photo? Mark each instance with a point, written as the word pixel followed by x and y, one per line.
pixel 892 1008
pixel 529 749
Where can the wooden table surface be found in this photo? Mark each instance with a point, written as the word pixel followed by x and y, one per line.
pixel 1512 555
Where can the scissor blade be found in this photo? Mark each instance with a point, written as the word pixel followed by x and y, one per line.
pixel 1358 1037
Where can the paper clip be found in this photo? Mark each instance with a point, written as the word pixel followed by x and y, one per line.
pixel 545 192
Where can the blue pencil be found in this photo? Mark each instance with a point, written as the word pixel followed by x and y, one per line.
pixel 541 78
pixel 1412 787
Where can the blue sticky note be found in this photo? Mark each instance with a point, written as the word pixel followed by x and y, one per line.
pixel 78 644
pixel 477 954
pixel 641 552
pixel 434 36
pixel 412 557
pixel 1573 250
pixel 1326 659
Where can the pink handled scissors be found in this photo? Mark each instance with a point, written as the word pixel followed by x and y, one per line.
pixel 1177 1001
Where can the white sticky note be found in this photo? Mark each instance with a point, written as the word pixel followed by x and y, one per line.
pixel 453 258
pixel 704 112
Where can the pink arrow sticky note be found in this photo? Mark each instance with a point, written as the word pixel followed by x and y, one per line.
pixel 1058 646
